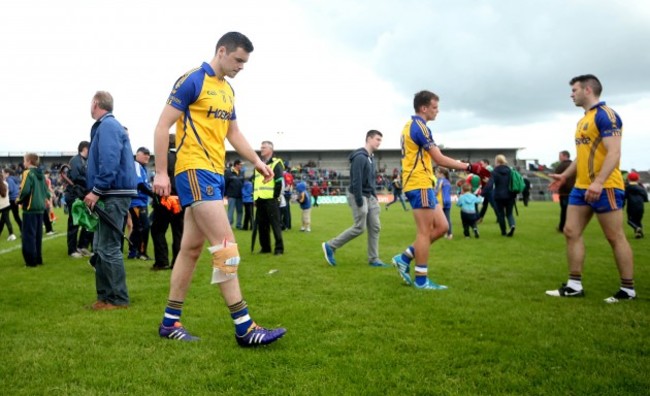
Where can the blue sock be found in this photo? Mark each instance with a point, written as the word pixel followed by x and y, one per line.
pixel 172 313
pixel 408 254
pixel 421 274
pixel 239 315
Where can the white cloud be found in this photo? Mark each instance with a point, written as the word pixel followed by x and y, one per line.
pixel 323 73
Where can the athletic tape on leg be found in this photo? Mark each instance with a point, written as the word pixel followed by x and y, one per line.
pixel 225 261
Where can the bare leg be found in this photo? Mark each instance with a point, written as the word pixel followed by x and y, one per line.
pixel 612 225
pixel 577 219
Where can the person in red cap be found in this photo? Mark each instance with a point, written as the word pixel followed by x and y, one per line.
pixel 635 196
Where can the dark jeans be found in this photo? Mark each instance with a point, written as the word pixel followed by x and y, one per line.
pixel 162 219
pixel 447 212
pixel 140 234
pixel 32 238
pixel 110 275
pixel 504 211
pixel 235 205
pixel 267 217
pixel 85 238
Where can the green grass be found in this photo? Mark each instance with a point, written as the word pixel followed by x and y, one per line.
pixel 352 329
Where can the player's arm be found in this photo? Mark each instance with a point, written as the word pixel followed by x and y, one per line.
pixel 161 182
pixel 560 178
pixel 241 145
pixel 447 162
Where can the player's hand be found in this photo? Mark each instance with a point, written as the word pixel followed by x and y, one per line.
pixel 593 192
pixel 161 184
pixel 265 170
pixel 558 181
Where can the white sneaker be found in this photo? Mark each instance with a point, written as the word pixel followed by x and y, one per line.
pixel 50 233
pixel 308 230
pixel 76 255
pixel 85 252
pixel 11 237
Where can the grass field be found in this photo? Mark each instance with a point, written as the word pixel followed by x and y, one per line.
pixel 352 329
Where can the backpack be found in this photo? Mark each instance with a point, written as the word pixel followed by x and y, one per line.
pixel 517 184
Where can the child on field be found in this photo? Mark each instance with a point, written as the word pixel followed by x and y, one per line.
pixel 635 196
pixel 304 199
pixel 467 203
pixel 33 195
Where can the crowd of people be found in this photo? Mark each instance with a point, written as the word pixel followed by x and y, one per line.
pixel 202 198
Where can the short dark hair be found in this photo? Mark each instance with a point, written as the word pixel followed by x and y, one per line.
pixel 237 162
pixel 565 153
pixel 104 100
pixel 588 79
pixel 143 150
pixel 82 145
pixel 234 40
pixel 372 133
pixel 423 98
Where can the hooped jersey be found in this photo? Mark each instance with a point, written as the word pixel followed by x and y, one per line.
pixel 417 167
pixel 208 106
pixel 598 123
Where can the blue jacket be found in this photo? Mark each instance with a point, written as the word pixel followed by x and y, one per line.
pixel 141 177
pixel 304 199
pixel 110 160
pixel 13 188
pixel 247 192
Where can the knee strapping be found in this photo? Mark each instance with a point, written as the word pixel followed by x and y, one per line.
pixel 225 261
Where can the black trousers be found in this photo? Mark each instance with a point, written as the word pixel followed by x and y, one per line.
pixel 564 203
pixel 162 219
pixel 32 237
pixel 248 216
pixel 267 217
pixel 469 221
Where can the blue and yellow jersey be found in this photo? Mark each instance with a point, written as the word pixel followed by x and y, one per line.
pixel 598 123
pixel 208 106
pixel 417 167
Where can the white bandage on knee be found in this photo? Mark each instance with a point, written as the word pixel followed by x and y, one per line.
pixel 225 261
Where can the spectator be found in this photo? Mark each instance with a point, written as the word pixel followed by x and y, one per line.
pixel 139 209
pixel 4 209
pixel 267 195
pixel 305 205
pixel 14 190
pixel 635 198
pixel 234 178
pixel 33 196
pixel 504 199
pixel 74 175
pixel 564 190
pixel 111 180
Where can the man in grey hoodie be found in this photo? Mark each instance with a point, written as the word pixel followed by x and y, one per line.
pixel 362 198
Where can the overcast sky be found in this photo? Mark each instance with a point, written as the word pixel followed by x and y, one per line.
pixel 325 72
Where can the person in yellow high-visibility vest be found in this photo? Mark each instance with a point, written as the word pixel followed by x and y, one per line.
pixel 266 196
